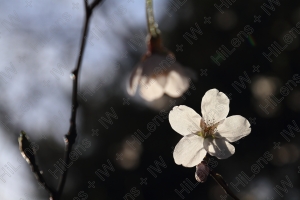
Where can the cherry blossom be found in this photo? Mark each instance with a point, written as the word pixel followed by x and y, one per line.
pixel 211 133
pixel 159 74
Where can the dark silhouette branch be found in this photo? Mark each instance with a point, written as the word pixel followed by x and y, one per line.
pixel 219 179
pixel 94 4
pixel 28 152
pixel 70 137
pixel 72 133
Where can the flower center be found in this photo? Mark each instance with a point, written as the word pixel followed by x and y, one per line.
pixel 207 132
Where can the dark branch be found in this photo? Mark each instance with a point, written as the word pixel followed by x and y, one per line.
pixel 94 4
pixel 28 153
pixel 219 179
pixel 72 133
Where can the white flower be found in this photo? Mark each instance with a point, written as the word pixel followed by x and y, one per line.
pixel 159 74
pixel 208 134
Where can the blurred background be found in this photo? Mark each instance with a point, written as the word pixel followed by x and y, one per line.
pixel 119 158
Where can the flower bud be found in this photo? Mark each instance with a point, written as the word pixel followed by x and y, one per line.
pixel 202 172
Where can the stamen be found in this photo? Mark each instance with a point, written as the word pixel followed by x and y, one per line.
pixel 207 131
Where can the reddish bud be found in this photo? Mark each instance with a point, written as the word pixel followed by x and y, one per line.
pixel 202 172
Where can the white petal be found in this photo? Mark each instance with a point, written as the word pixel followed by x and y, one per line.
pixel 134 80
pixel 219 148
pixel 184 120
pixel 150 89
pixel 189 151
pixel 161 79
pixel 177 84
pixel 234 128
pixel 214 106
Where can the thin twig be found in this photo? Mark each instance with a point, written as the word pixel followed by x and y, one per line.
pixel 28 154
pixel 72 133
pixel 219 179
pixel 94 4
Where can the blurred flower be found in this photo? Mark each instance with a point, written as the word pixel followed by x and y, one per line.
pixel 293 100
pixel 225 21
pixel 158 73
pixel 129 155
pixel 211 134
pixel 264 86
pixel 288 154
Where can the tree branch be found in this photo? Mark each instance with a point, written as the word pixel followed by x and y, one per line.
pixel 95 3
pixel 72 133
pixel 219 179
pixel 28 153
